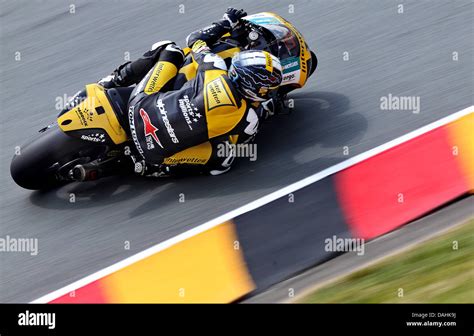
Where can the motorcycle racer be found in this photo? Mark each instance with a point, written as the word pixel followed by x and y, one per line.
pixel 174 111
pixel 133 72
pixel 216 108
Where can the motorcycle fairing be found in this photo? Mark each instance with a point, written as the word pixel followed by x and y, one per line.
pixel 93 119
pixel 294 53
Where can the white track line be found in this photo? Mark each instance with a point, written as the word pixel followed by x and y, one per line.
pixel 252 205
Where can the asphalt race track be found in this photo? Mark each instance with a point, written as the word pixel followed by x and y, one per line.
pixel 408 54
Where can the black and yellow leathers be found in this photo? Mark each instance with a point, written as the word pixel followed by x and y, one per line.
pixel 202 157
pixel 210 34
pixel 133 72
pixel 226 38
pixel 186 126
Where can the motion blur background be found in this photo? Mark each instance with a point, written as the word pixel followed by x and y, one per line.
pixel 366 50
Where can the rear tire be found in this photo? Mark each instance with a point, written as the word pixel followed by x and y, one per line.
pixel 32 167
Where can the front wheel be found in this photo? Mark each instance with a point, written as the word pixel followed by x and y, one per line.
pixel 35 165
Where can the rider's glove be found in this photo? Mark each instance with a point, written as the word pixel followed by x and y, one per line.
pixel 108 82
pixel 232 16
pixel 115 78
pixel 199 46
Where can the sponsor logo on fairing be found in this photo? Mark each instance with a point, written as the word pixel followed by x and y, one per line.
pixel 292 77
pixel 290 64
pixel 97 137
pixel 84 115
pixel 166 121
pixel 150 130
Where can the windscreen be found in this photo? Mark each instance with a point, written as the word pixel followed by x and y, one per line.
pixel 288 45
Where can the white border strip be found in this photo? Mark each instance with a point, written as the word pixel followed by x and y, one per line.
pixel 252 205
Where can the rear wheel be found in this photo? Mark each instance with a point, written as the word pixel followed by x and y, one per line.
pixel 36 165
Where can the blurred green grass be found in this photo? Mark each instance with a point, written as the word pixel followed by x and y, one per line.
pixel 432 272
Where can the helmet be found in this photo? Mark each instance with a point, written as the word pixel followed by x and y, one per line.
pixel 256 74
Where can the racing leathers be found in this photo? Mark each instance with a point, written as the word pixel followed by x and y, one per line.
pixel 213 156
pixel 133 72
pixel 191 129
pixel 210 34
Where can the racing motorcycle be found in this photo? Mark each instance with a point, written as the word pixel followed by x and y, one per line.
pixel 91 129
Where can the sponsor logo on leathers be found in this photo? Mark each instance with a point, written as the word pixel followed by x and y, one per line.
pixel 149 128
pixel 217 94
pixel 189 110
pixel 133 131
pixel 166 121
